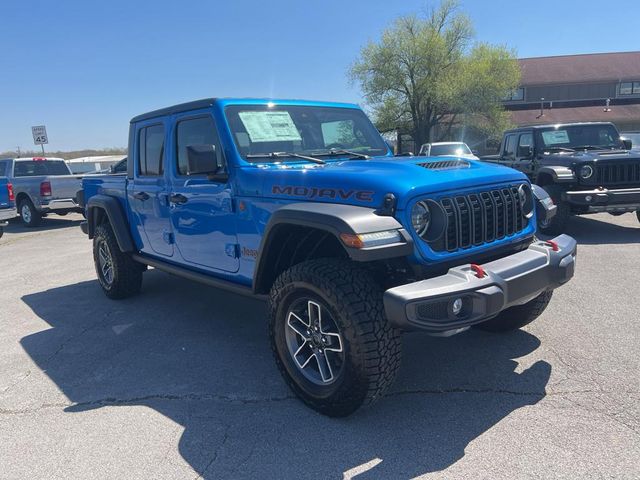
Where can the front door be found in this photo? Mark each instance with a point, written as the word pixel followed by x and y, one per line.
pixel 202 213
pixel 148 195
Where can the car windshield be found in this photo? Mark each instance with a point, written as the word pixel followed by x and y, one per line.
pixel 578 137
pixel 450 149
pixel 32 168
pixel 260 131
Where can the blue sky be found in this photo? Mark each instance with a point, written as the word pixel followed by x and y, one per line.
pixel 84 68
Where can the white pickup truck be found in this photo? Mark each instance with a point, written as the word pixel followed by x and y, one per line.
pixel 41 186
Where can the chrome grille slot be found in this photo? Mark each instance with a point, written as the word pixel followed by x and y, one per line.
pixel 479 218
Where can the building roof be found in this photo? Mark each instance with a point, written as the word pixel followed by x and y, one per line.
pixel 594 67
pixel 618 113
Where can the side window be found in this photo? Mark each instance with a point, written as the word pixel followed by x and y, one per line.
pixel 4 166
pixel 151 150
pixel 525 142
pixel 510 146
pixel 195 131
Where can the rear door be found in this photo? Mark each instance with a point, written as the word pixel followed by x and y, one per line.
pixel 148 192
pixel 202 213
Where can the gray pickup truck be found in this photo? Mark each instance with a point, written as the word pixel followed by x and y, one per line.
pixel 42 186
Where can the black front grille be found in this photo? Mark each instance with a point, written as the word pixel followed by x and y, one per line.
pixel 479 218
pixel 445 164
pixel 617 173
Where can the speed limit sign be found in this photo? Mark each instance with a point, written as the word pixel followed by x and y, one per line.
pixel 39 135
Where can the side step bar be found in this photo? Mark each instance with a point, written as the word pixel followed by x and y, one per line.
pixel 198 277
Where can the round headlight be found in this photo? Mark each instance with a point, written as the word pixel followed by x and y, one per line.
pixel 586 171
pixel 420 218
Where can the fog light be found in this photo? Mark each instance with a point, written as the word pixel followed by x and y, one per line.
pixel 456 306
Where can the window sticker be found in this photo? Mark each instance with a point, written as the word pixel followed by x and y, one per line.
pixel 269 126
pixel 555 137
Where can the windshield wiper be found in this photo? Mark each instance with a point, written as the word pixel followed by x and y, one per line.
pixel 562 149
pixel 589 147
pixel 341 151
pixel 286 155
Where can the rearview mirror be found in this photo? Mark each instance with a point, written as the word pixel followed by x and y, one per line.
pixel 627 143
pixel 202 160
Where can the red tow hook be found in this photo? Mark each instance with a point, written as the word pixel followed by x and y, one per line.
pixel 554 245
pixel 479 271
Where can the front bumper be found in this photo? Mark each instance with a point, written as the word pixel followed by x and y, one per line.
pixel 603 200
pixel 8 214
pixel 513 280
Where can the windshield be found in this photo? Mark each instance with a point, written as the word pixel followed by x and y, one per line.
pixel 32 168
pixel 451 149
pixel 580 136
pixel 260 130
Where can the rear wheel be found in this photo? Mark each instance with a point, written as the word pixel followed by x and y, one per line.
pixel 558 223
pixel 119 275
pixel 28 214
pixel 517 317
pixel 330 338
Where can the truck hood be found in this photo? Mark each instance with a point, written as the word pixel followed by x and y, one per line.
pixel 366 182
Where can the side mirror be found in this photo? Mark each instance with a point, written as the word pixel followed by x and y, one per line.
pixel 475 152
pixel 627 143
pixel 202 160
pixel 525 151
pixel 110 168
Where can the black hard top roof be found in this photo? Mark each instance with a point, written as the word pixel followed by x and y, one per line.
pixel 181 107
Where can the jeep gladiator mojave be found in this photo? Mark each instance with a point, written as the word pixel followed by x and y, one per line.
pixel 41 186
pixel 304 202
pixel 584 167
pixel 7 203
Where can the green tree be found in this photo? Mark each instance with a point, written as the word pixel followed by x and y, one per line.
pixel 427 72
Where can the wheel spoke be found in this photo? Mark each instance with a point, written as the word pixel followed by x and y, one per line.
pixel 324 367
pixel 335 342
pixel 298 325
pixel 315 314
pixel 302 365
pixel 103 255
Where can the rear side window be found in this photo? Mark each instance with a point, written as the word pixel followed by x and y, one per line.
pixel 4 166
pixel 151 150
pixel 510 146
pixel 191 132
pixel 34 168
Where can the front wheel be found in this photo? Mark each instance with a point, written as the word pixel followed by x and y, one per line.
pixel 29 214
pixel 119 275
pixel 517 317
pixel 558 223
pixel 329 335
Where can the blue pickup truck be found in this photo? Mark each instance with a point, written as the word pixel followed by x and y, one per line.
pixel 7 203
pixel 304 204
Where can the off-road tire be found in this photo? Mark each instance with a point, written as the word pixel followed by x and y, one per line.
pixel 638 214
pixel 127 273
pixel 34 217
pixel 517 317
pixel 558 223
pixel 371 346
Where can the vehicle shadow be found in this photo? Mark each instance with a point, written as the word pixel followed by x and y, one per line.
pixel 50 222
pixel 200 357
pixel 596 230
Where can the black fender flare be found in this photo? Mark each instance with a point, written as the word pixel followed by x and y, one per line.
pixel 558 174
pixel 334 219
pixel 112 209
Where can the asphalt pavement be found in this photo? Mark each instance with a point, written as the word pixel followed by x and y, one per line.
pixel 179 381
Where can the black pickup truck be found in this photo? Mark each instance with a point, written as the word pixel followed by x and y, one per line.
pixel 585 168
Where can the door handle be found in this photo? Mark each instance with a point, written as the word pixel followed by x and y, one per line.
pixel 141 196
pixel 178 199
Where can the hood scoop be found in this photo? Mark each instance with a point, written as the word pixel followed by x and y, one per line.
pixel 445 164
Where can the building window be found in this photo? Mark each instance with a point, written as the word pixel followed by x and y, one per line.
pixel 630 88
pixel 516 95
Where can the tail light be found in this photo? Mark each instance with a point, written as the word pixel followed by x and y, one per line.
pixel 45 189
pixel 12 197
